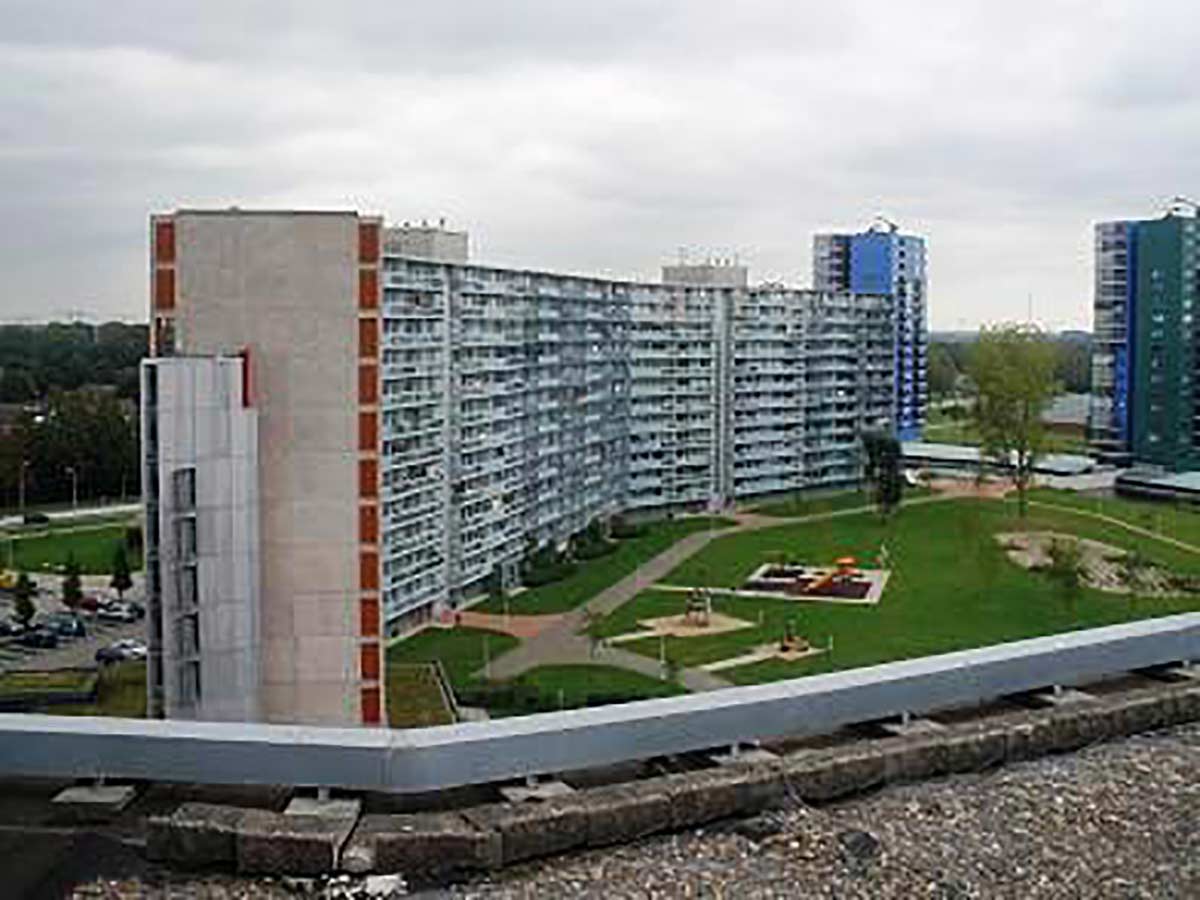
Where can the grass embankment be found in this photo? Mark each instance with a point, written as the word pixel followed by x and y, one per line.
pixel 67 681
pixel 47 551
pixel 121 691
pixel 414 698
pixel 951 588
pixel 595 575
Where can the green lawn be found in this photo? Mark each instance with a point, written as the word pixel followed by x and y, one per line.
pixel 1181 522
pixel 952 588
pixel 93 547
pixel 579 682
pixel 121 692
pixel 551 688
pixel 809 504
pixel 414 699
pixel 461 650
pixel 594 576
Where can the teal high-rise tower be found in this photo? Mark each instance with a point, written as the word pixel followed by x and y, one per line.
pixel 1145 408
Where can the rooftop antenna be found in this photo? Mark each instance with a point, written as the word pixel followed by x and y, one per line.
pixel 888 224
pixel 1183 206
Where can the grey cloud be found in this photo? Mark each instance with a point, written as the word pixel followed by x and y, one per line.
pixel 601 136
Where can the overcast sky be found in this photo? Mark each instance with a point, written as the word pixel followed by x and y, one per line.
pixel 601 136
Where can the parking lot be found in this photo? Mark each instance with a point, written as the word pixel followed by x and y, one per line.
pixel 70 652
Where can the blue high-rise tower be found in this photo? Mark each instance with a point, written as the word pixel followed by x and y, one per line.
pixel 880 260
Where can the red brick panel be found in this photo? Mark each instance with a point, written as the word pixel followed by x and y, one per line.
pixel 368 431
pixel 368 570
pixel 368 338
pixel 368 615
pixel 370 706
pixel 368 524
pixel 164 242
pixel 368 384
pixel 368 242
pixel 164 289
pixel 369 661
pixel 368 478
pixel 368 288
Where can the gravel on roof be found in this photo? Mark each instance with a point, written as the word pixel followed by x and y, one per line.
pixel 1117 820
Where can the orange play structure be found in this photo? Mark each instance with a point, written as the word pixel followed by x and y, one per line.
pixel 845 570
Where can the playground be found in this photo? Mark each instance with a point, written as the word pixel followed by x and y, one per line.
pixel 770 598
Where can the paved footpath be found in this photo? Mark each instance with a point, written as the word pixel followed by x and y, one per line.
pixel 566 643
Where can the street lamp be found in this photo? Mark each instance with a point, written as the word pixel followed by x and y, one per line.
pixel 74 487
pixel 25 464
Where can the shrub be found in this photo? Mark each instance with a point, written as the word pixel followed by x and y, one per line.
pixel 623 529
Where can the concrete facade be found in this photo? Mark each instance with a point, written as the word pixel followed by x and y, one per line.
pixel 283 289
pixel 200 463
pixel 519 405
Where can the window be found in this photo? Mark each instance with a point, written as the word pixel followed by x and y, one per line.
pixel 189 683
pixel 185 539
pixel 188 589
pixel 184 488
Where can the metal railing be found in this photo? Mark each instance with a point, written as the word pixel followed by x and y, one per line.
pixel 472 753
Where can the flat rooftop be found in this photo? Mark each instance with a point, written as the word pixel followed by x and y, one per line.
pixel 964 456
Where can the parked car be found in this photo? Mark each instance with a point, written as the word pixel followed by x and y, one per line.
pixel 41 637
pixel 133 648
pixel 117 612
pixel 65 624
pixel 10 628
pixel 119 651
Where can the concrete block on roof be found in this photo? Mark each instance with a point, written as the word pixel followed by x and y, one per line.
pixel 424 843
pixel 196 835
pixel 626 812
pixel 270 843
pixel 529 830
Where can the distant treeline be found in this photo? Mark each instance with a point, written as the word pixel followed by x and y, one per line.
pixel 69 418
pixel 36 360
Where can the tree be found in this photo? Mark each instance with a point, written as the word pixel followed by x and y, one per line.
pixel 1012 367
pixel 121 579
pixel 1066 569
pixel 881 470
pixel 72 586
pixel 943 373
pixel 24 593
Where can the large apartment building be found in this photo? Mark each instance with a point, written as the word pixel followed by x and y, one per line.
pixel 1145 406
pixel 881 260
pixel 349 428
